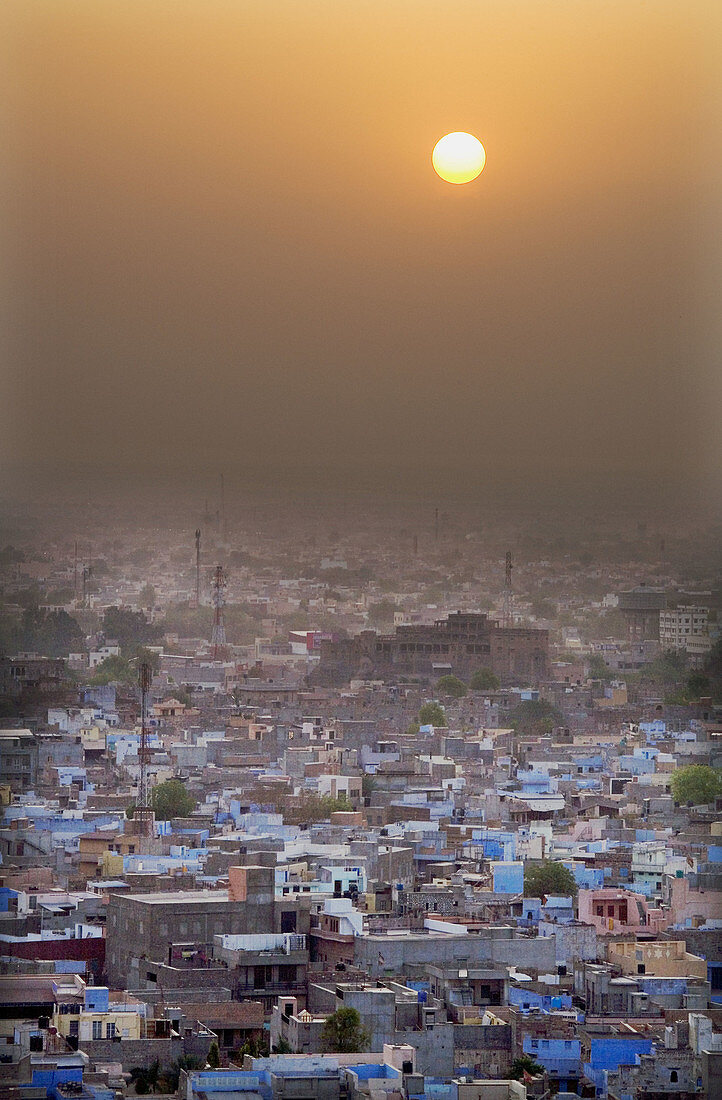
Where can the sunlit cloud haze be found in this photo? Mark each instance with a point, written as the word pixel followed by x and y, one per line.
pixel 227 247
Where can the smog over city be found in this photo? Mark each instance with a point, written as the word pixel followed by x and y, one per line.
pixel 361 549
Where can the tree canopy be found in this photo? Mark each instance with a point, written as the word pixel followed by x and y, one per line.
pixel 432 714
pixel 171 799
pixel 49 633
pixel 523 1065
pixel 342 1033
pixel 541 879
pixel 599 669
pixel 484 680
pixel 130 628
pixel 536 716
pixel 114 669
pixel 451 685
pixel 123 669
pixel 698 784
pixel 312 808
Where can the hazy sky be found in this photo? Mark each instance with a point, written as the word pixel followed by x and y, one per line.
pixel 227 248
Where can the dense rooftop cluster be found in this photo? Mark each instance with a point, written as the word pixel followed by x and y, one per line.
pixel 408 835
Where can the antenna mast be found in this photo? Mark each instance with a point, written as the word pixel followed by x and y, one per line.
pixel 507 615
pixel 198 567
pixel 218 637
pixel 143 811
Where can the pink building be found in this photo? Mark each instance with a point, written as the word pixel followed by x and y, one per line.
pixel 611 909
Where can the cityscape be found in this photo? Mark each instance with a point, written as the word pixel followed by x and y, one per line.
pixel 361 551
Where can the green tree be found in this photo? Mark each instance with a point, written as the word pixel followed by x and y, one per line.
pixel 543 609
pixel 51 633
pixel 451 685
pixel 255 1047
pixel 282 1047
pixel 523 1065
pixel 147 596
pixel 171 799
pixel 114 669
pixel 535 716
pixel 170 1078
pixel 146 1080
pixel 312 808
pixel 484 680
pixel 214 1056
pixel 599 669
pixel 432 714
pixel 130 628
pixel 368 785
pixel 548 877
pixel 698 784
pixel 698 685
pixel 381 612
pixel 342 1033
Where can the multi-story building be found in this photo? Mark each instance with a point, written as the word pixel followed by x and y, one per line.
pixel 179 928
pixel 19 758
pixel 461 643
pixel 641 607
pixel 686 628
pixel 265 966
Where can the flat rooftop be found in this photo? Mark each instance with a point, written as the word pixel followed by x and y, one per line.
pixel 179 897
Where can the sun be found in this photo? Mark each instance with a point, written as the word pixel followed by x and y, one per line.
pixel 458 157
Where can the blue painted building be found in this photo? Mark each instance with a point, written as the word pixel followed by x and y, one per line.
pixel 562 1059
pixel 608 1052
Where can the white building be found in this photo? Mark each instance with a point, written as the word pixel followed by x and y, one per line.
pixel 687 628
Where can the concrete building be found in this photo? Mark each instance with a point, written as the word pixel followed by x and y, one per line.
pixel 266 966
pixel 641 607
pixel 179 928
pixel 460 643
pixel 19 759
pixel 663 958
pixel 615 910
pixel 686 628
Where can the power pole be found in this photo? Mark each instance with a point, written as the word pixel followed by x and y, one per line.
pixel 143 812
pixel 507 616
pixel 218 637
pixel 198 567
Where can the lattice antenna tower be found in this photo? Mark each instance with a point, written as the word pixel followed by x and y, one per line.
pixel 507 615
pixel 218 637
pixel 198 567
pixel 143 812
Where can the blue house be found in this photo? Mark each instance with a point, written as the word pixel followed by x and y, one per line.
pixel 562 1059
pixel 608 1052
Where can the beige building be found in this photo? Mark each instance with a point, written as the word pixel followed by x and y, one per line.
pixel 685 628
pixel 663 959
pixel 86 1012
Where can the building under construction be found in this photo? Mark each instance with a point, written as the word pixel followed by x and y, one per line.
pixel 460 644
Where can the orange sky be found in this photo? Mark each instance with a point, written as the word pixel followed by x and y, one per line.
pixel 227 247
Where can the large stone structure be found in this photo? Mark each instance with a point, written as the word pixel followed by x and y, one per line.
pixel 460 644
pixel 178 929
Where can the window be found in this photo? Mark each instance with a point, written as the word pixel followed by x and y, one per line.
pixel 97 1029
pixel 110 1030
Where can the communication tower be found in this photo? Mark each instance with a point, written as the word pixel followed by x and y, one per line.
pixel 143 812
pixel 198 567
pixel 507 615
pixel 218 637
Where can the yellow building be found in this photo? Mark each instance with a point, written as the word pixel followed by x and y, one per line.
pixel 93 1012
pixel 663 959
